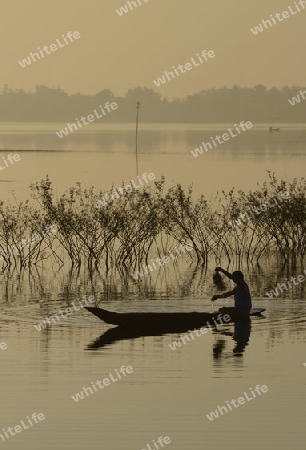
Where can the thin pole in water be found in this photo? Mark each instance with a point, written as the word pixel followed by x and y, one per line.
pixel 137 114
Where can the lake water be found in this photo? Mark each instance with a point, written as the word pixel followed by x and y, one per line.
pixel 170 393
pixel 103 155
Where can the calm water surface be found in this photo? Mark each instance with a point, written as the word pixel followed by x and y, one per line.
pixel 103 155
pixel 170 392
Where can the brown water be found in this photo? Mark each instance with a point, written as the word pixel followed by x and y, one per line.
pixel 169 392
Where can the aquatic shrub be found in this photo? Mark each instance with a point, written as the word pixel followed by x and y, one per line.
pixel 23 234
pixel 151 222
pixel 187 221
pixel 285 224
pixel 246 241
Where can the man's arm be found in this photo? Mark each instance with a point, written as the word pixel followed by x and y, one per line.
pixel 225 295
pixel 226 273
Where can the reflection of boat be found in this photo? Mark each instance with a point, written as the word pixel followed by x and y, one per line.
pixel 164 320
pixel 122 333
pixel 274 129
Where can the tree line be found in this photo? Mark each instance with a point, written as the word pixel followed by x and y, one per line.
pixel 224 105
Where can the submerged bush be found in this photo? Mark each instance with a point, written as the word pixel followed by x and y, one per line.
pixel 124 233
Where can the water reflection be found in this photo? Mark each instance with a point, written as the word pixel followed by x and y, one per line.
pixel 242 333
pixel 48 284
pixel 241 336
pixel 121 333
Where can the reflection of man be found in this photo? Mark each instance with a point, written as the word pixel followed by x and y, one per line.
pixel 241 336
pixel 243 303
pixel 242 331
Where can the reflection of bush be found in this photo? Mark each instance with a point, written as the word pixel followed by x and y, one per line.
pixel 125 233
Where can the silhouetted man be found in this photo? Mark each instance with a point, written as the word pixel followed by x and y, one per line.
pixel 243 303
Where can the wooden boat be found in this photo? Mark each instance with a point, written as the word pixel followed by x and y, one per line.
pixel 166 320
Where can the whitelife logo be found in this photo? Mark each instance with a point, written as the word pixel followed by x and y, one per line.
pixel 53 47
pixel 279 288
pixel 101 384
pixel 294 100
pixel 225 137
pixel 162 261
pixel 188 66
pixel 199 332
pixel 115 193
pixel 64 313
pixel 18 429
pixel 241 401
pixel 125 9
pixel 11 159
pixel 260 209
pixel 280 17
pixel 160 443
pixel 91 118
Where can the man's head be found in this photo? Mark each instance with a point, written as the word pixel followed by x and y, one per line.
pixel 238 277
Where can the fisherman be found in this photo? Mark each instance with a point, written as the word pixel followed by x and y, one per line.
pixel 243 303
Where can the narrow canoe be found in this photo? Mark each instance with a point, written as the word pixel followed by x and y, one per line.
pixel 145 319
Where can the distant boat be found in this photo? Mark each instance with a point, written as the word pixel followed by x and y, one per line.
pixel 273 129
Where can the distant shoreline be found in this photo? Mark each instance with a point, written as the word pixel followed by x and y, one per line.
pixel 260 104
pixel 257 125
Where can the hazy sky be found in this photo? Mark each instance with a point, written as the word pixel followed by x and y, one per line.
pixel 124 52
